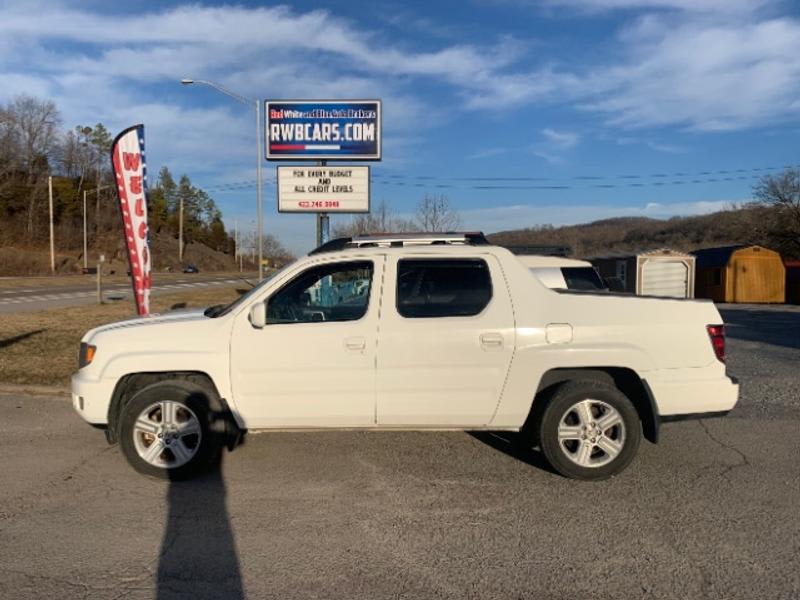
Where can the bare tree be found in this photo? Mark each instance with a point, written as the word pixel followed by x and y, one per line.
pixel 435 213
pixel 380 220
pixel 781 193
pixel 34 124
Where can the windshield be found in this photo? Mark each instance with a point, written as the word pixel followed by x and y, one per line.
pixel 224 309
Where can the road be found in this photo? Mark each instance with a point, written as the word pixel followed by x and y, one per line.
pixel 710 512
pixel 83 290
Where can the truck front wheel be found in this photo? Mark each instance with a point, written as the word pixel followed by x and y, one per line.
pixel 166 430
pixel 589 430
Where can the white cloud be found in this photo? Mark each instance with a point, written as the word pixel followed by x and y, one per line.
pixel 489 152
pixel 717 6
pixel 218 39
pixel 700 75
pixel 561 139
pixel 707 65
pixel 666 148
pixel 554 145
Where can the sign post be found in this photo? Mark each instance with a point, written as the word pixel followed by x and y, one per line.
pixel 100 262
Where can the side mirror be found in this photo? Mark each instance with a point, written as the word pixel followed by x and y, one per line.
pixel 258 315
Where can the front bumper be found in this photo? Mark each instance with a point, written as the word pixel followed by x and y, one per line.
pixel 91 397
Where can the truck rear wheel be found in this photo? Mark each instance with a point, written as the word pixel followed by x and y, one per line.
pixel 166 430
pixel 589 430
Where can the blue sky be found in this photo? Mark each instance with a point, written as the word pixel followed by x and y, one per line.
pixel 589 108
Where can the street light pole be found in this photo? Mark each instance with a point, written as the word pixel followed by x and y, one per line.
pixel 85 243
pixel 259 194
pixel 259 159
pixel 85 238
pixel 52 242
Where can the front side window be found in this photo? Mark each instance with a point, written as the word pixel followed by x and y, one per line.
pixel 333 292
pixel 442 288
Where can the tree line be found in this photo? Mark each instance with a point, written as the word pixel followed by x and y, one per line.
pixel 34 147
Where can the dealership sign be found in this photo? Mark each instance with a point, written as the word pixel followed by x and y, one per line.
pixel 342 189
pixel 323 129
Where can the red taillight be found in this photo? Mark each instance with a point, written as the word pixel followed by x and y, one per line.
pixel 717 335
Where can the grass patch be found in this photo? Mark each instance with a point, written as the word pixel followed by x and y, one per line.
pixel 41 348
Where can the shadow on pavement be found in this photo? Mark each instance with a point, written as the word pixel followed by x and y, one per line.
pixel 198 557
pixel 18 338
pixel 198 553
pixel 768 326
pixel 510 443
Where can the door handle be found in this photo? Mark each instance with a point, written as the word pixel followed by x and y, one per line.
pixel 491 340
pixel 355 343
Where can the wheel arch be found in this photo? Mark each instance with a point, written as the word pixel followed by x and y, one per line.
pixel 625 379
pixel 128 385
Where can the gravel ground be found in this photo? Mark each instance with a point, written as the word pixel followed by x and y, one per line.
pixel 711 512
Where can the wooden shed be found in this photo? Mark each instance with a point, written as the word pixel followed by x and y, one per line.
pixel 792 281
pixel 662 272
pixel 747 274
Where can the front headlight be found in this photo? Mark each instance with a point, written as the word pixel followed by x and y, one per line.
pixel 86 354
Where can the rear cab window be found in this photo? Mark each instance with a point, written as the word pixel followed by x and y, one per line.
pixel 431 288
pixel 582 278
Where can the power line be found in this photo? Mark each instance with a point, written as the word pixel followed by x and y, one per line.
pixel 621 181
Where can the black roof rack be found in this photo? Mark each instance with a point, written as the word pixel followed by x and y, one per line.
pixel 398 240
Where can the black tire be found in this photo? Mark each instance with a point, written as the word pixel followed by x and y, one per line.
pixel 559 404
pixel 200 402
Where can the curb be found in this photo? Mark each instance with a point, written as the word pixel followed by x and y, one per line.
pixel 34 390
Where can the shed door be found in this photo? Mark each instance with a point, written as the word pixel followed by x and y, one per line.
pixel 665 278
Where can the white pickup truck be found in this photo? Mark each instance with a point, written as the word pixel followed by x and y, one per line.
pixel 436 332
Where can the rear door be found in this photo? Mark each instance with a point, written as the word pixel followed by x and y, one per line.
pixel 445 342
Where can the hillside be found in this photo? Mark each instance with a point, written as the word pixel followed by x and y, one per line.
pixel 47 173
pixel 35 259
pixel 749 225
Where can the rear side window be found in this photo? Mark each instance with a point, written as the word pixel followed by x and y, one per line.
pixel 582 278
pixel 442 288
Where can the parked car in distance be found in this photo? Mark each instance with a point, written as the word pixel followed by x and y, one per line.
pixel 422 332
pixel 190 269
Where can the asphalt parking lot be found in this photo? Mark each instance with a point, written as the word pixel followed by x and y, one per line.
pixel 713 511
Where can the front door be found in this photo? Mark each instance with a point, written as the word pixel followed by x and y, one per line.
pixel 446 341
pixel 313 365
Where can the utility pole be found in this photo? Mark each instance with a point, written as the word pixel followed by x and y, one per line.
pixel 180 232
pixel 52 242
pixel 85 244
